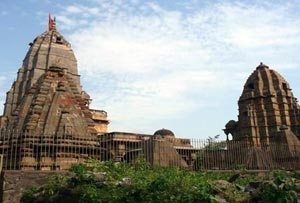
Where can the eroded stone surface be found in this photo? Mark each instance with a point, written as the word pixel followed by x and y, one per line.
pixel 47 122
pixel 265 105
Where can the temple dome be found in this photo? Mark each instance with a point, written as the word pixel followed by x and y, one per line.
pixel 163 132
pixel 265 82
pixel 266 103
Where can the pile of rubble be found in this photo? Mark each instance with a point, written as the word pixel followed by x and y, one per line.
pixel 275 189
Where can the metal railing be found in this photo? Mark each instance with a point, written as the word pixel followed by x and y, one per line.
pixel 44 152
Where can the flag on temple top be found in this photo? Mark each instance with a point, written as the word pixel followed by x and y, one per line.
pixel 51 23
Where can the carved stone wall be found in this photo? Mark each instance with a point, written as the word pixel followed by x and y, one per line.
pixel 47 123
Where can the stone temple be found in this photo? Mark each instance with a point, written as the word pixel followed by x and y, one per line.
pixel 267 110
pixel 47 123
pixel 46 105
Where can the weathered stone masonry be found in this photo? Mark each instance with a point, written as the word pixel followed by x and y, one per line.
pixel 265 105
pixel 47 123
pixel 14 183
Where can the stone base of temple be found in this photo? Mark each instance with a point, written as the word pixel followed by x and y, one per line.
pixel 28 163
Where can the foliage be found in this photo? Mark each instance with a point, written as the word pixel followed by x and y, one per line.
pixel 211 144
pixel 282 188
pixel 214 144
pixel 30 194
pixel 103 182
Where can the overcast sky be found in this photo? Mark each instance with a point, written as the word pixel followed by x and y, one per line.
pixel 157 64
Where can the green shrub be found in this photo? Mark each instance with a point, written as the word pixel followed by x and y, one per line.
pixel 147 185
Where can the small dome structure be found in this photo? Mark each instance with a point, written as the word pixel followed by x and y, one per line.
pixel 164 132
pixel 232 124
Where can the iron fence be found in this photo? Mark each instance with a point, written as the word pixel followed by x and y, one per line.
pixel 45 152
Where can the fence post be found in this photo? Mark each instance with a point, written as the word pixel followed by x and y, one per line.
pixel 1 162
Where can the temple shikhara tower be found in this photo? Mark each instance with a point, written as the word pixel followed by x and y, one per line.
pixel 268 111
pixel 47 122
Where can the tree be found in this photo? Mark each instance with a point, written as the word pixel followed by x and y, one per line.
pixel 214 144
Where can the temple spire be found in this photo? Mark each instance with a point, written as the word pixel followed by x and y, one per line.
pixel 51 23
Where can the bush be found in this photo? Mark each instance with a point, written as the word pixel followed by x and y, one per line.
pixel 107 182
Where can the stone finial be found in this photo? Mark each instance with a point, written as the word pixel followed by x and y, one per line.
pixel 261 66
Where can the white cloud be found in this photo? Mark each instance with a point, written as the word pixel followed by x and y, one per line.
pixel 152 63
pixel 253 26
pixel 73 9
pixel 3 13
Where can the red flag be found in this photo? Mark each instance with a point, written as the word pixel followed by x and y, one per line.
pixel 50 23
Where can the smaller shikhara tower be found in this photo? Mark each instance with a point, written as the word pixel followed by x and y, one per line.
pixel 266 107
pixel 47 123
